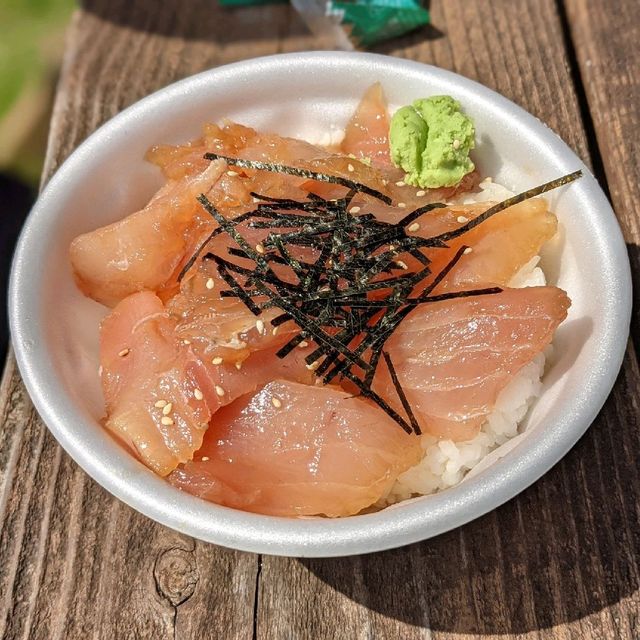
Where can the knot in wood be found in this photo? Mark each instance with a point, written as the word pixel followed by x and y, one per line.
pixel 176 575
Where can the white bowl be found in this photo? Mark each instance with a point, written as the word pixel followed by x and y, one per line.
pixel 55 329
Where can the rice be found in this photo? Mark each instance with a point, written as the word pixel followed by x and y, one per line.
pixel 446 463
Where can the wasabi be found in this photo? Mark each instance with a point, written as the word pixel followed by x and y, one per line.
pixel 431 140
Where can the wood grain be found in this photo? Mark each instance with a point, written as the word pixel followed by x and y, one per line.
pixel 605 40
pixel 559 561
pixel 75 562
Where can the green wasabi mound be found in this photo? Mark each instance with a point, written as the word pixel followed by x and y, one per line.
pixel 431 140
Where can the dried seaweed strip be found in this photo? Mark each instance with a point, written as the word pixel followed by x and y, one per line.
pixel 300 173
pixel 401 394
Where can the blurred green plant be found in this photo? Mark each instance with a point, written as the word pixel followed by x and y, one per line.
pixel 31 45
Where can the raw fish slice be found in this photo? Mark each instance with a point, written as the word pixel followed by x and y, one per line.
pixel 295 450
pixel 143 250
pixel 500 246
pixel 143 364
pixel 366 135
pixel 454 357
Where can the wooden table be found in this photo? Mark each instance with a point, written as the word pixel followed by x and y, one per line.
pixel 559 561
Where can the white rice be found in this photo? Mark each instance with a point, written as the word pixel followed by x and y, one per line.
pixel 445 462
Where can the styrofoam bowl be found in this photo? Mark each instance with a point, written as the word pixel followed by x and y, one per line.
pixel 55 328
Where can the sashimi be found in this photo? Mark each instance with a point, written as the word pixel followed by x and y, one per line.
pixel 454 357
pixel 295 450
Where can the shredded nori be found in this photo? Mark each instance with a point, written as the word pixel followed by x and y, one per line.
pixel 348 283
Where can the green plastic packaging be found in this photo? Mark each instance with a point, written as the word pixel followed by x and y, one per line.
pixel 360 22
pixel 373 21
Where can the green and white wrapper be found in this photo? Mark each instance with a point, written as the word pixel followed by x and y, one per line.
pixel 355 23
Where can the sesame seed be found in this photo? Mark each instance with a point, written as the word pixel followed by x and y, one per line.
pixel 124 352
pixel 210 283
pixel 354 210
pixel 160 403
pixel 276 403
pixel 186 341
pixel 303 344
pixel 259 248
pixel 421 193
pixel 167 409
pixel 456 144
pixel 204 458
pixel 462 219
pixel 402 265
pixel 402 205
pixel 260 326
pixel 468 250
pixel 217 360
pixel 239 365
pixel 274 331
pixel 219 390
pixel 400 183
pixel 414 227
pixel 232 173
pixel 350 167
pixel 167 421
pixel 392 247
pixel 198 394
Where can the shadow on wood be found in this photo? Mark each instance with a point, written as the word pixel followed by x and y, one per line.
pixel 562 550
pixel 200 19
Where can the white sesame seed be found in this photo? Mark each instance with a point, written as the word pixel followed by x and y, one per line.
pixel 276 403
pixel 186 341
pixel 219 390
pixel 198 394
pixel 259 248
pixel 350 167
pixel 167 421
pixel 274 331
pixel 402 265
pixel 468 250
pixel 239 365
pixel 232 173
pixel 414 227
pixel 456 144
pixel 402 205
pixel 124 352
pixel 167 409
pixel 255 200
pixel 400 183
pixel 421 193
pixel 160 403
pixel 217 360
pixel 462 219
pixel 303 344
pixel 354 210
pixel 210 283
pixel 204 458
pixel 260 326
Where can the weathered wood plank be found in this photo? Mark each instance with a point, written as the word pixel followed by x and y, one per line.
pixel 605 37
pixel 76 563
pixel 559 561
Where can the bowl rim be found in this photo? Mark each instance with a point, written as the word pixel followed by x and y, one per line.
pixel 315 537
